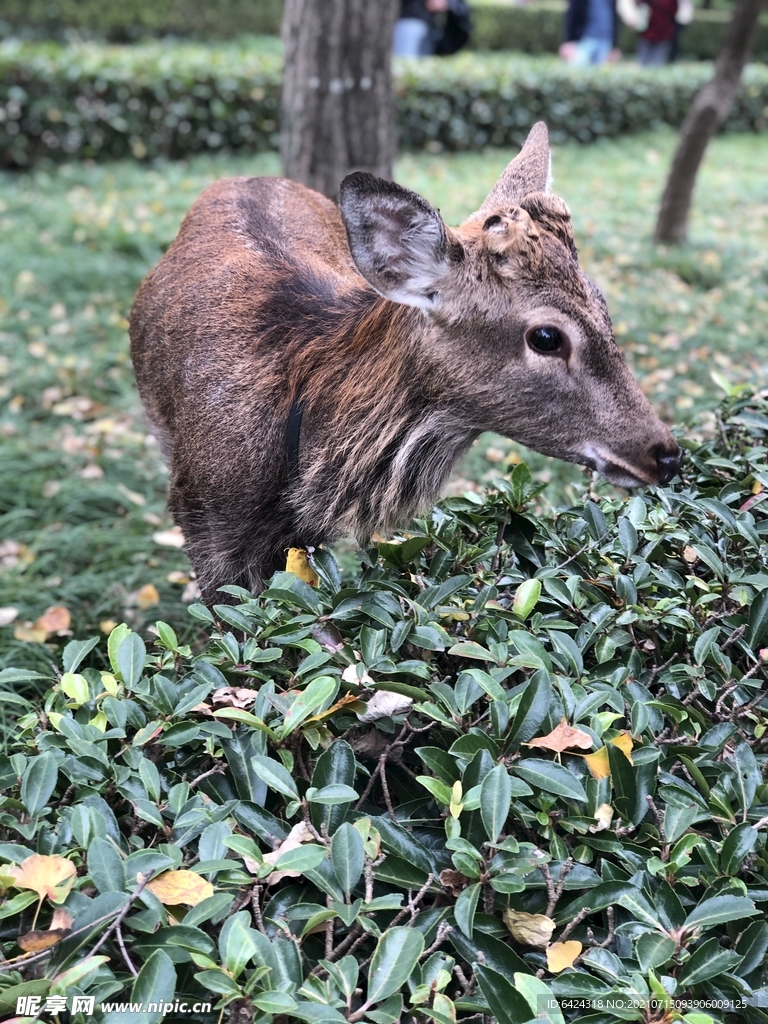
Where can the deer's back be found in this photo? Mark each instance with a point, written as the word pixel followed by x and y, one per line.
pixel 253 257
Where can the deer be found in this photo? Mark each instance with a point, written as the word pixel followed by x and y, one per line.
pixel 313 370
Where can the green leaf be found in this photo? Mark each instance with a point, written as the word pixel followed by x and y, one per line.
pixel 394 959
pixel 538 994
pixel 308 702
pixel 704 644
pixel 757 625
pixel 156 983
pixel 75 651
pixel 495 799
pixel 526 598
pixel 439 790
pixel 531 711
pixel 469 649
pixel 335 767
pixel 752 946
pixel 105 866
pixel 131 656
pixel 38 782
pixel 637 904
pixel 707 961
pixel 115 639
pixel 275 775
pixel 506 1004
pixel 218 904
pixel 465 908
pixel 623 778
pixel 719 909
pixel 653 950
pixel 550 777
pixel 301 858
pixel 739 842
pixel 595 520
pixel 275 1002
pixel 237 942
pixel 347 856
pixel 330 796
pixel 496 954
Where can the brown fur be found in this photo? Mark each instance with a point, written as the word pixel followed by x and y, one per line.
pixel 403 340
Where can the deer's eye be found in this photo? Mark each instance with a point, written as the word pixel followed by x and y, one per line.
pixel 546 340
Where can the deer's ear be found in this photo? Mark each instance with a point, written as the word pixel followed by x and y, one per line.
pixel 397 240
pixel 528 172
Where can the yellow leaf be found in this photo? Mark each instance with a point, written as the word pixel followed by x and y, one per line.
pixel 75 687
pixel 757 487
pixel 47 876
pixel 109 683
pixel 561 738
pixel 174 887
pixel 530 929
pixel 55 619
pixel 603 817
pixel 689 554
pixel 99 721
pixel 29 634
pixel 562 954
pixel 298 563
pixel 624 743
pixel 147 596
pixel 35 942
pixel 107 625
pixel 348 701
pixel 598 763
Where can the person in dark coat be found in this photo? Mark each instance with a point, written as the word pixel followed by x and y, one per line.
pixel 416 28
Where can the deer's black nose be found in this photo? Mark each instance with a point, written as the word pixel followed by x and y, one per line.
pixel 668 465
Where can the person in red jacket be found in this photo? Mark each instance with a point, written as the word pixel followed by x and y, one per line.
pixel 654 46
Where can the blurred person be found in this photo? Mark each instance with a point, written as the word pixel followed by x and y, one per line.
pixel 416 28
pixel 657 23
pixel 590 31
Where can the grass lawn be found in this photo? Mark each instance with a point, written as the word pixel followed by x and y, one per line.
pixel 82 489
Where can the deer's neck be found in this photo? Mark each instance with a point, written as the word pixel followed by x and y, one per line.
pixel 379 436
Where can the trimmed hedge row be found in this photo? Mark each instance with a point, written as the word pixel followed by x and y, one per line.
pixel 150 101
pixel 124 20
pixel 534 28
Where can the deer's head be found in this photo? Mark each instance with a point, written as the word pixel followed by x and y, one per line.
pixel 520 333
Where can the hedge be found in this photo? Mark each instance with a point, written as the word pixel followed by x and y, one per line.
pixel 516 767
pixel 152 100
pixel 536 27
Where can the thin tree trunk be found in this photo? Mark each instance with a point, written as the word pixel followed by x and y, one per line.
pixel 338 107
pixel 709 110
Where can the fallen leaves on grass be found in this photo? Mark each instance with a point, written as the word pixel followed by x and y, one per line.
pixel 7 615
pixel 54 620
pixel 146 597
pixel 172 538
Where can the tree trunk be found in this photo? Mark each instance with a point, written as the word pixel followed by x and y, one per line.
pixel 338 111
pixel 709 110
